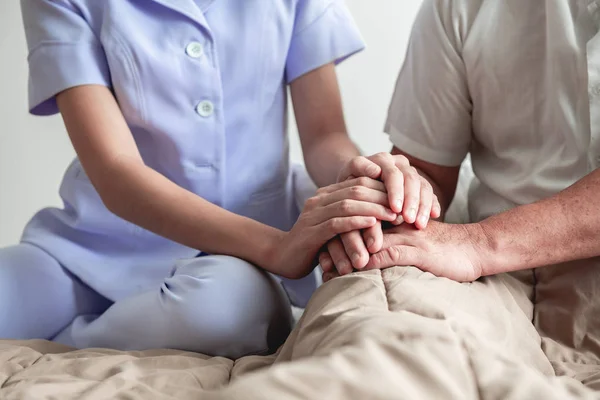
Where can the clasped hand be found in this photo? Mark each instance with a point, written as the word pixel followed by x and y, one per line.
pixel 344 223
pixel 442 249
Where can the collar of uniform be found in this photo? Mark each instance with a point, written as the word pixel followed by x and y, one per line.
pixel 190 8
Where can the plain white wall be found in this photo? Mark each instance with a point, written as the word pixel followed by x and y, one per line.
pixel 35 151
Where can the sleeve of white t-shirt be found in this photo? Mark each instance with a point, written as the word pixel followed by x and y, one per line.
pixel 430 113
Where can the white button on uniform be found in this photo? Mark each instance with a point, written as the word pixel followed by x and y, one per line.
pixel 205 109
pixel 194 50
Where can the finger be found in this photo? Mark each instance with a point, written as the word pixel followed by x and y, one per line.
pixel 403 235
pixel 362 181
pixel 412 195
pixel 355 249
pixel 327 230
pixel 399 220
pixel 373 238
pixel 393 179
pixel 361 193
pixel 340 259
pixel 329 276
pixel 436 208
pixel 395 256
pixel 348 208
pixel 325 261
pixel 360 166
pixel 425 205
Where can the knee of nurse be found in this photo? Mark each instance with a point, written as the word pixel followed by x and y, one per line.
pixel 225 294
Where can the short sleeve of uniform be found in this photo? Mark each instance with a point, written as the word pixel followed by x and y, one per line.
pixel 430 113
pixel 64 52
pixel 324 32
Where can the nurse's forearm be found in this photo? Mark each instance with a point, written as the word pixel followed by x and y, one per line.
pixel 144 197
pixel 135 192
pixel 326 158
pixel 562 228
pixel 320 119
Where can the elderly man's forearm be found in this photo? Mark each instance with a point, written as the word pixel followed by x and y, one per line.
pixel 562 228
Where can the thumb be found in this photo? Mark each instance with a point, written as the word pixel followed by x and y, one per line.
pixel 395 256
pixel 366 167
pixel 360 166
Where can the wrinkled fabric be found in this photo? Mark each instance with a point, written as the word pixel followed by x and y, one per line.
pixel 393 334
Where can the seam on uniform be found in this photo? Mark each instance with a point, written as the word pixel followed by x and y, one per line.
pixel 53 43
pixel 134 73
pixel 317 19
pixel 263 76
pixel 207 6
pixel 75 10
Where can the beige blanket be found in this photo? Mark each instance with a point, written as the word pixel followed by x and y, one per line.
pixel 396 334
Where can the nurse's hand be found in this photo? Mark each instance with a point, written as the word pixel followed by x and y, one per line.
pixel 347 206
pixel 409 194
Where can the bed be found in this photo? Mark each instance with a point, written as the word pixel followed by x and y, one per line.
pixel 393 334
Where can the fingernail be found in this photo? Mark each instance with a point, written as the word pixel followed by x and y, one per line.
pixel 412 214
pixel 370 242
pixel 399 205
pixel 343 265
pixel 356 257
pixel 326 262
pixel 423 220
pixel 399 220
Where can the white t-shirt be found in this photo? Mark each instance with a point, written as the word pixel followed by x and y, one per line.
pixel 514 83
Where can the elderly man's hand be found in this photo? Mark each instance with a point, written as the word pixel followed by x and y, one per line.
pixel 409 194
pixel 445 250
